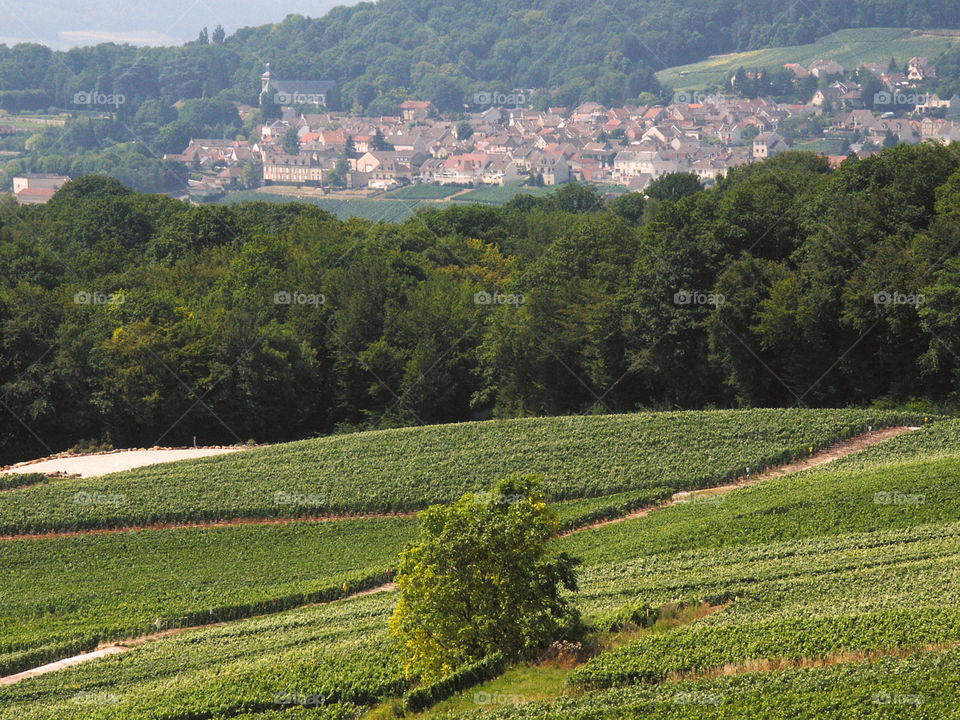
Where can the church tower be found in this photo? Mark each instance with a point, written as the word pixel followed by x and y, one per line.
pixel 265 83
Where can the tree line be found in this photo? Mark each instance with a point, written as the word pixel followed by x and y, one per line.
pixel 137 319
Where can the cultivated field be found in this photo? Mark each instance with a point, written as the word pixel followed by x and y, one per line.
pixel 408 469
pixel 497 195
pixel 383 209
pixel 830 592
pixel 847 47
pixel 424 192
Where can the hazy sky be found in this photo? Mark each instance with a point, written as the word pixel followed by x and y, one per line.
pixel 66 23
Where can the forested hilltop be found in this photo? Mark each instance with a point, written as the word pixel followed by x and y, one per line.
pixel 446 50
pixel 138 319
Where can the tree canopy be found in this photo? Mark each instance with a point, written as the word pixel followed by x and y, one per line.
pixel 787 283
pixel 482 580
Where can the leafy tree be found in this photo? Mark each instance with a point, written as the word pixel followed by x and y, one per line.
pixel 482 579
pixel 464 130
pixel 577 198
pixel 338 176
pixel 251 174
pixel 674 186
pixel 291 142
pixel 379 142
pixel 630 206
pixel 870 85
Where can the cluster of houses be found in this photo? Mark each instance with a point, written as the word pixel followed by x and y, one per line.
pixel 498 145
pixel 625 146
pixel 917 70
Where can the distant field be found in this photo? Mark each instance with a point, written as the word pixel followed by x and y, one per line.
pixel 826 146
pixel 397 205
pixel 380 209
pixel 847 47
pixel 495 195
pixel 424 192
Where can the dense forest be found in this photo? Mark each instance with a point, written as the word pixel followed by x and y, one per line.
pixel 138 319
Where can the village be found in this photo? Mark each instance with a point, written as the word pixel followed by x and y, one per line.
pixel 620 149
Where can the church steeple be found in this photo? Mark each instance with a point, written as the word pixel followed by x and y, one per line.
pixel 265 79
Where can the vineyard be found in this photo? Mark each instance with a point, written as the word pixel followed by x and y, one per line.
pixel 409 469
pixel 790 601
pixel 132 584
pixel 498 195
pixel 919 687
pixel 854 566
pixel 335 655
pixel 424 191
pixel 848 47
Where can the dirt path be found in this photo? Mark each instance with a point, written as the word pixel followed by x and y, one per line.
pixel 119 646
pixel 834 452
pixel 61 664
pixel 96 464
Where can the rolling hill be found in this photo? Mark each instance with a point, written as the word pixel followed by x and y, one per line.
pixel 847 47
pixel 813 590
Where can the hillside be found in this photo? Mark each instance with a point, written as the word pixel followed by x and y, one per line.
pixel 606 55
pixel 409 469
pixel 380 54
pixel 801 570
pixel 847 47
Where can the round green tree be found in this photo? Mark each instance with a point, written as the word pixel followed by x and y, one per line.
pixel 482 579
